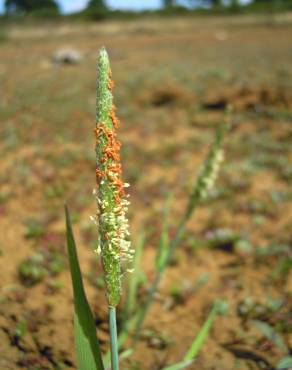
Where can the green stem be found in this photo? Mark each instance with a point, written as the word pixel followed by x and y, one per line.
pixel 153 289
pixel 113 338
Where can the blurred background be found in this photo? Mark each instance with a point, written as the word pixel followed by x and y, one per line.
pixel 177 65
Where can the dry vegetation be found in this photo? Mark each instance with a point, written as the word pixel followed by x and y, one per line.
pixel 174 79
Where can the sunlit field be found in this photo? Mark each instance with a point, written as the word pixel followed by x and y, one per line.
pixel 174 80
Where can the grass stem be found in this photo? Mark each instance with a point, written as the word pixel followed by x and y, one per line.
pixel 113 338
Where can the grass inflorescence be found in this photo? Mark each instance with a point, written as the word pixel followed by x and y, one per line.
pixel 110 194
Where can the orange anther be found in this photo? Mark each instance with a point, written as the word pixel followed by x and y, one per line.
pixel 110 84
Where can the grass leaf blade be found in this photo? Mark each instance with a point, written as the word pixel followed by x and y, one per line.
pixel 271 334
pixel 200 338
pixel 285 363
pixel 87 346
pixel 178 366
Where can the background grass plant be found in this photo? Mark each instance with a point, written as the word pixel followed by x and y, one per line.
pixel 114 247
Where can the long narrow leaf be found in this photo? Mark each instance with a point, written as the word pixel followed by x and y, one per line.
pixel 87 346
pixel 200 338
pixel 271 334
pixel 219 307
pixel 285 363
pixel 179 366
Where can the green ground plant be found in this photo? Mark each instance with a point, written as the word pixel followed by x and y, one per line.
pixel 117 255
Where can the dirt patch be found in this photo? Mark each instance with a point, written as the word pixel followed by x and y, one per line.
pixel 248 98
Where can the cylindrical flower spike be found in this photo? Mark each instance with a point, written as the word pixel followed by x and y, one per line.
pixel 208 172
pixel 110 195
